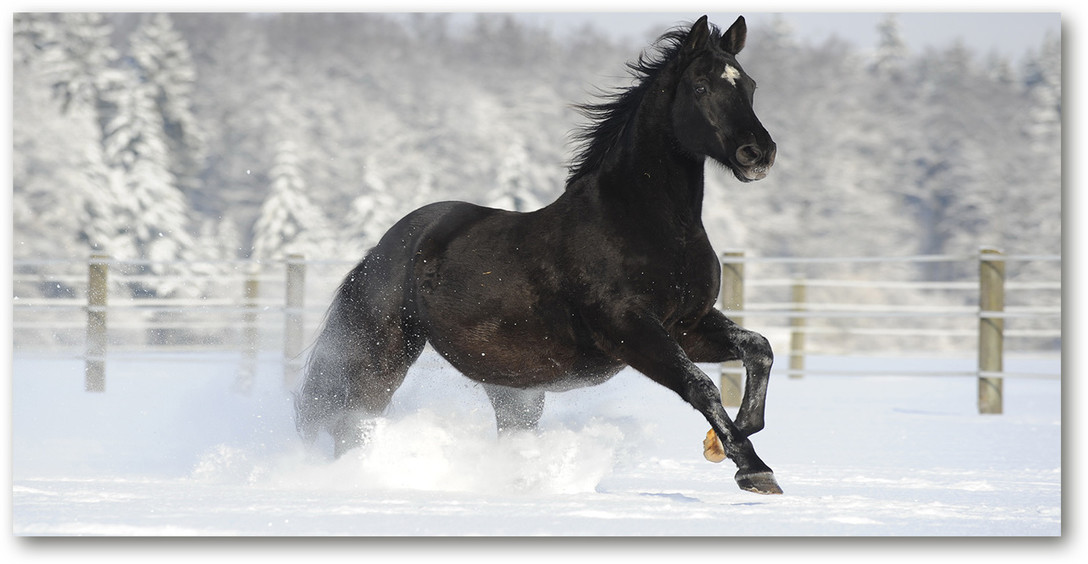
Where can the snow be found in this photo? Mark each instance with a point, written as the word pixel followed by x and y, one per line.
pixel 179 446
pixel 928 147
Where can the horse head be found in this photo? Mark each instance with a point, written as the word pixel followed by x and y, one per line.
pixel 712 112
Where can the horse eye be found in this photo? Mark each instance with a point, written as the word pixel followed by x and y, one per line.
pixel 700 89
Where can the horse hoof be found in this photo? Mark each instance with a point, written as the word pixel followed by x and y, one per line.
pixel 713 450
pixel 759 482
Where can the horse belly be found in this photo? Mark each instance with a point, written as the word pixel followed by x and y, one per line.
pixel 519 354
pixel 499 331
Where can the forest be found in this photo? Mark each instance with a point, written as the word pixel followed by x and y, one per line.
pixel 195 137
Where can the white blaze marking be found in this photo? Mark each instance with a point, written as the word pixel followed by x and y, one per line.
pixel 731 74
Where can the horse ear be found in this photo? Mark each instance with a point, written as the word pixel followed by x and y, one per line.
pixel 733 40
pixel 697 37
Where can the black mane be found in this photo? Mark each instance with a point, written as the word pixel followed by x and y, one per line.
pixel 609 118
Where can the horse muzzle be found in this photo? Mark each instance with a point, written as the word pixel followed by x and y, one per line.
pixel 752 161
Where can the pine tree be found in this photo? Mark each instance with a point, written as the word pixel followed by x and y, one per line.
pixel 166 66
pixel 126 201
pixel 371 213
pixel 32 34
pixel 100 227
pixel 62 63
pixel 1037 223
pixel 209 261
pixel 891 53
pixel 513 190
pixel 237 75
pixel 877 156
pixel 1043 80
pixel 289 222
pixel 74 52
pixel 779 34
pixel 153 210
pixel 955 196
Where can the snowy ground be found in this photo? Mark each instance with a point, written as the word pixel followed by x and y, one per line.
pixel 174 447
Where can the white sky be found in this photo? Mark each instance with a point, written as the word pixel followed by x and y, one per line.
pixel 1009 34
pixel 994 25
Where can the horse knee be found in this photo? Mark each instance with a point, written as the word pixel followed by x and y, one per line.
pixel 758 355
pixel 701 393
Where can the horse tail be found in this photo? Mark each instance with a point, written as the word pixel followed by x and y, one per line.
pixel 370 336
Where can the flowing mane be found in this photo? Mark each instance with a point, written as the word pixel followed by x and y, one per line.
pixel 609 118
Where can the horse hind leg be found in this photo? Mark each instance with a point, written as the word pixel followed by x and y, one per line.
pixel 515 409
pixel 352 427
pixel 360 359
pixel 344 389
pixel 373 386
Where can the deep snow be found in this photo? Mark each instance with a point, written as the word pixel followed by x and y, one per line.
pixel 176 446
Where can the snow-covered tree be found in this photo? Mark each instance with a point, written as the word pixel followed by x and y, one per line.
pixel 289 222
pixel 233 101
pixel 32 33
pixel 208 263
pixel 1043 78
pixel 152 211
pixel 166 66
pixel 371 213
pixel 75 53
pixel 779 34
pixel 439 106
pixel 891 52
pixel 1038 201
pixel 61 181
pixel 513 190
pixel 123 195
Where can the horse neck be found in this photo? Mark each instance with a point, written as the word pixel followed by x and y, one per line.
pixel 649 173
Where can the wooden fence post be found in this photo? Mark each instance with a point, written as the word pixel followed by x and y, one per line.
pixel 252 291
pixel 94 377
pixel 797 332
pixel 251 332
pixel 732 373
pixel 991 330
pixel 293 317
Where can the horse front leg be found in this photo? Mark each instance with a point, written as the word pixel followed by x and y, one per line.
pixel 716 338
pixel 644 344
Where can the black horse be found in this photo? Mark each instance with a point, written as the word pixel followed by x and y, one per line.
pixel 616 272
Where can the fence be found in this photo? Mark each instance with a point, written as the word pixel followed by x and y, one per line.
pixel 85 309
pixel 929 314
pixel 806 306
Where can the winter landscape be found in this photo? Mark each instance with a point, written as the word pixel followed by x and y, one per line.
pixel 172 449
pixel 257 136
pixel 190 144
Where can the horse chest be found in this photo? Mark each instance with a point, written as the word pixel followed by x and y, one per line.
pixel 695 281
pixel 681 279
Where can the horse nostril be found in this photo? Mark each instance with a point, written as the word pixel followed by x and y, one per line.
pixel 749 155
